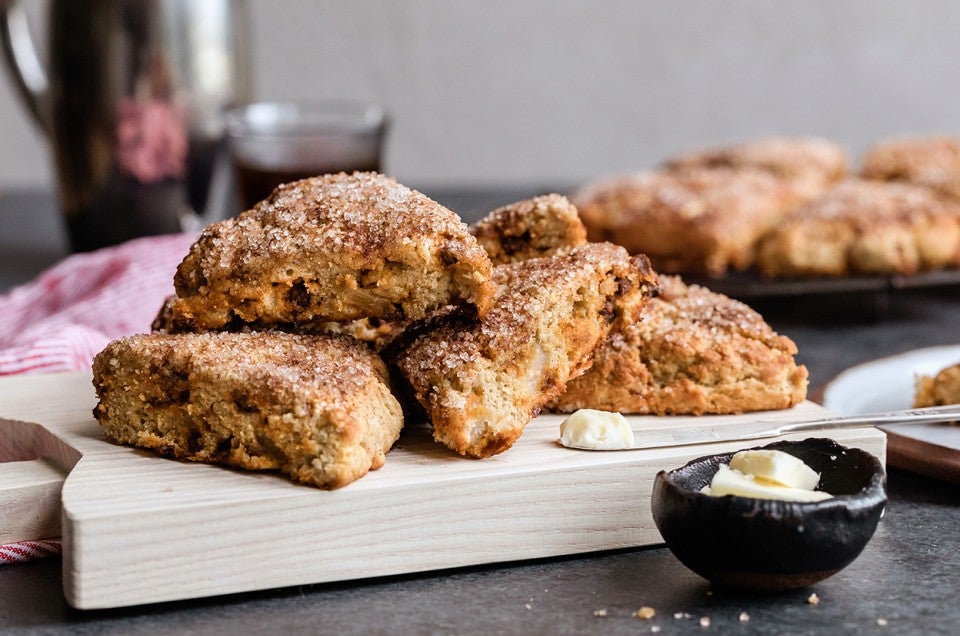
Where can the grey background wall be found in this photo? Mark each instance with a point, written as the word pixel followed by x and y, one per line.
pixel 547 91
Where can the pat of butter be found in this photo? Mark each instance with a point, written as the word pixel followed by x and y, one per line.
pixel 783 469
pixel 597 430
pixel 766 474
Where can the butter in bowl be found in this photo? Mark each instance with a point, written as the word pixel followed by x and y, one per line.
pixel 742 532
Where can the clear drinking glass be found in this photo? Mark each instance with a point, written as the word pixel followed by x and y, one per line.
pixel 278 142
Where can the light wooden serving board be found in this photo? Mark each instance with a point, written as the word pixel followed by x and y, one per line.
pixel 138 528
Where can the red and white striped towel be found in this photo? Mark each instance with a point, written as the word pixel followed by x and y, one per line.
pixel 63 318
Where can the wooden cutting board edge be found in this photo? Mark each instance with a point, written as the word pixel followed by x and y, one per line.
pixel 138 529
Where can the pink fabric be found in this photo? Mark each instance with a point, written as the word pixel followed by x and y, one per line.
pixel 59 321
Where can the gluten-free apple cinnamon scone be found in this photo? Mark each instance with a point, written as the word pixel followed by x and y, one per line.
pixel 811 164
pixel 940 389
pixel 332 248
pixel 531 228
pixel 933 162
pixel 869 227
pixel 482 380
pixel 704 220
pixel 316 408
pixel 692 351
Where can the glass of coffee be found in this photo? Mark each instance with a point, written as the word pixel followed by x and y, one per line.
pixel 278 142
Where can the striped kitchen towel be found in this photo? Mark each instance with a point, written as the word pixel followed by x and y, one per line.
pixel 62 319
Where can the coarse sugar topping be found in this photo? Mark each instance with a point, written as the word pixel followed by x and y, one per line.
pixel 361 213
pixel 686 312
pixel 865 203
pixel 690 192
pixel 323 369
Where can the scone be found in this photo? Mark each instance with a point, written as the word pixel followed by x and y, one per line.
pixel 697 220
pixel 531 228
pixel 939 390
pixel 692 351
pixel 316 408
pixel 371 331
pixel 332 248
pixel 868 227
pixel 928 161
pixel 810 163
pixel 481 381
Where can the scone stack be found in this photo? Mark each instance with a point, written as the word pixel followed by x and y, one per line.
pixel 265 358
pixel 787 207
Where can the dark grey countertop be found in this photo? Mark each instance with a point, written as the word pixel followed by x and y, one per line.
pixel 909 574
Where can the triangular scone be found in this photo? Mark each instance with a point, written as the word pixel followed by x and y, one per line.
pixel 317 408
pixel 692 351
pixel 332 248
pixel 532 228
pixel 481 381
pixel 939 390
pixel 933 162
pixel 866 227
pixel 694 220
pixel 810 164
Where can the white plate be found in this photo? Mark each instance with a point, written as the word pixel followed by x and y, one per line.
pixel 887 384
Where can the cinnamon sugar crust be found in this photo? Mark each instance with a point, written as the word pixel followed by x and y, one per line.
pixel 865 227
pixel 699 219
pixel 692 351
pixel 316 408
pixel 531 228
pixel 939 390
pixel 481 381
pixel 933 162
pixel 332 248
pixel 811 164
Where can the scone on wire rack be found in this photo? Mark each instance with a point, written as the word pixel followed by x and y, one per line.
pixel 332 248
pixel 532 228
pixel 316 408
pixel 692 351
pixel 704 220
pixel 811 164
pixel 933 162
pixel 481 381
pixel 865 227
pixel 938 390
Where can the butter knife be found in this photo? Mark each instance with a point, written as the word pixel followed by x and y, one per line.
pixel 760 429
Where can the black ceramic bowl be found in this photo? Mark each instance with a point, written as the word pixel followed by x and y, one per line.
pixel 765 545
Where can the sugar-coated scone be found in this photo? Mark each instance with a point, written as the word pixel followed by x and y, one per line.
pixel 374 332
pixel 482 380
pixel 869 227
pixel 332 248
pixel 810 163
pixel 704 220
pixel 316 408
pixel 939 390
pixel 531 228
pixel 692 351
pixel 928 161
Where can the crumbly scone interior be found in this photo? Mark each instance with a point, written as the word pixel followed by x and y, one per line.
pixel 481 383
pixel 691 351
pixel 531 228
